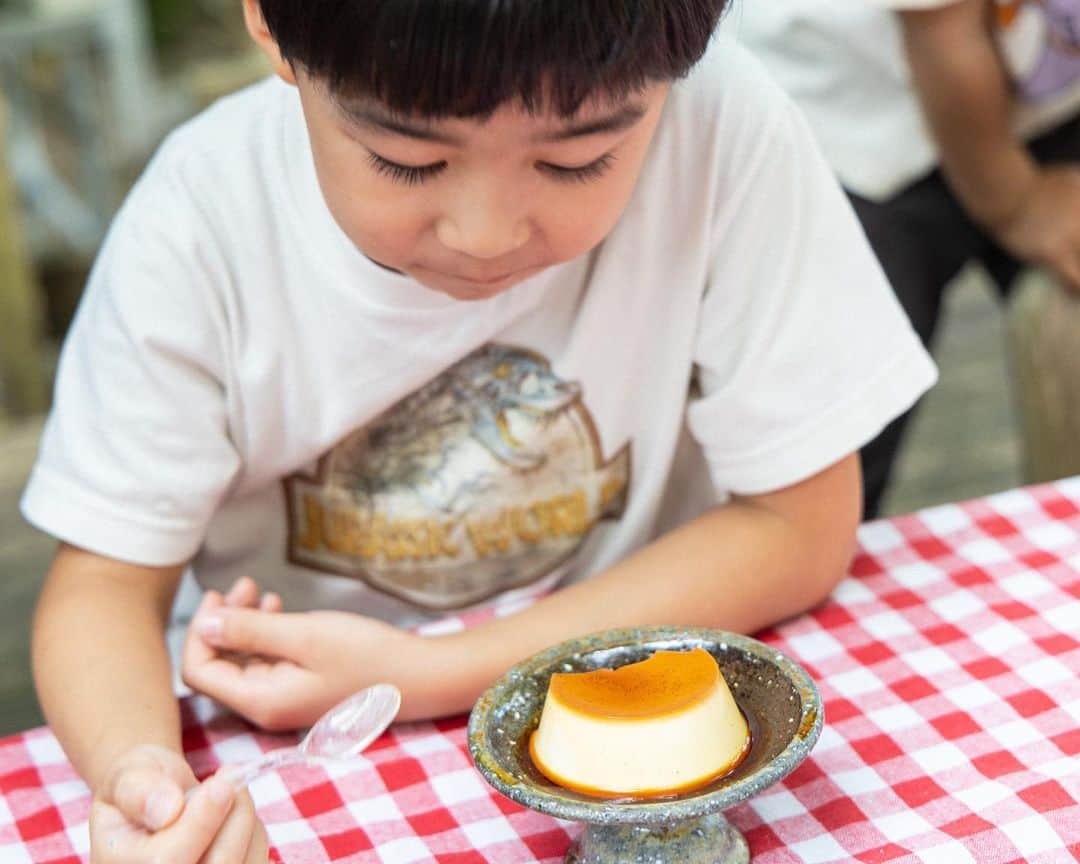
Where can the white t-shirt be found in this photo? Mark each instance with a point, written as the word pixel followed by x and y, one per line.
pixel 243 389
pixel 843 61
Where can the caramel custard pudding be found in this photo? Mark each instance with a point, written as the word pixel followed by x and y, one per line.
pixel 663 726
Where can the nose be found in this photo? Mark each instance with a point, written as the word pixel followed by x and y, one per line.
pixel 482 224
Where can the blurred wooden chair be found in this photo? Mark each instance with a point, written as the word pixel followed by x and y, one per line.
pixel 23 378
pixel 83 99
pixel 1043 335
pixel 83 104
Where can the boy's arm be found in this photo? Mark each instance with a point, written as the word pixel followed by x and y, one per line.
pixel 104 680
pixel 961 81
pixel 100 663
pixel 742 566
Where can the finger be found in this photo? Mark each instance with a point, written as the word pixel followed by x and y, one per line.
pixel 234 838
pixel 114 840
pixel 197 650
pixel 210 600
pixel 200 822
pixel 271 602
pixel 256 632
pixel 245 687
pixel 244 592
pixel 146 797
pixel 171 763
pixel 259 850
pixel 269 695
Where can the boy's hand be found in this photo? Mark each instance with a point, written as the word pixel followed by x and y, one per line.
pixel 1045 228
pixel 244 594
pixel 139 814
pixel 283 671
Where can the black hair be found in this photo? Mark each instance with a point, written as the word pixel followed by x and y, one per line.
pixel 465 58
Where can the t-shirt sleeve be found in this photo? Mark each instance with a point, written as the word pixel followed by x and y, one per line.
pixel 136 452
pixel 803 353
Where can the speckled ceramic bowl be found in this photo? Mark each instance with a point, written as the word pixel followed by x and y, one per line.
pixel 775 694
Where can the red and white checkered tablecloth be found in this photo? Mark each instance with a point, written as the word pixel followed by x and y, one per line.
pixel 949 664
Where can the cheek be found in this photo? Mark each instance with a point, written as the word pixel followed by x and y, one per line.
pixel 578 219
pixel 383 225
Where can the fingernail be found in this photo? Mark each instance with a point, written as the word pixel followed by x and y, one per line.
pixel 219 790
pixel 161 807
pixel 237 588
pixel 211 627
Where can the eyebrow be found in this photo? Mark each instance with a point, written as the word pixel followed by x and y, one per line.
pixel 623 118
pixel 379 120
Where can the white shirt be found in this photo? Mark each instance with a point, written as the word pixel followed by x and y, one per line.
pixel 843 61
pixel 242 388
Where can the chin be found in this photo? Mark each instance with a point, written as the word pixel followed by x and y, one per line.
pixel 464 290
pixel 469 295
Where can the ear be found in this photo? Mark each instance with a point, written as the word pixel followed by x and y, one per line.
pixel 257 29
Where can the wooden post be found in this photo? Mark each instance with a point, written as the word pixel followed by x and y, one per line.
pixel 1043 334
pixel 22 360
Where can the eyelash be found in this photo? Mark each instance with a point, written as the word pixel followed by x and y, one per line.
pixel 582 174
pixel 410 175
pixel 414 175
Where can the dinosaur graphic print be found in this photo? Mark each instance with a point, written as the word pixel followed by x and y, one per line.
pixel 486 479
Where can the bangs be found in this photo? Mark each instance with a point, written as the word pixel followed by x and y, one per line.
pixel 465 58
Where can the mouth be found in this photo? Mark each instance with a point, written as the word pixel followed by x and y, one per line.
pixel 488 280
pixel 479 286
pixel 483 283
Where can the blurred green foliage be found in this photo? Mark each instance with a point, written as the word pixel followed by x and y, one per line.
pixel 170 19
pixel 184 24
pixel 178 24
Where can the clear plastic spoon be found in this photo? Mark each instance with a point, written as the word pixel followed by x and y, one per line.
pixel 341 733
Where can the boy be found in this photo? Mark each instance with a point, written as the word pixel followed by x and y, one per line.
pixel 957 136
pixel 476 300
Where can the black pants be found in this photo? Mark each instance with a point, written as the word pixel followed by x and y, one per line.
pixel 923 239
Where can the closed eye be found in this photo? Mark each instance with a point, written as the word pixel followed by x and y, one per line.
pixel 580 173
pixel 414 175
pixel 410 175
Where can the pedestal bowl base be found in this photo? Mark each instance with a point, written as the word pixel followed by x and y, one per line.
pixel 709 840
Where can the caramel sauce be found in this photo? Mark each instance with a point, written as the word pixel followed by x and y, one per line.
pixel 666 683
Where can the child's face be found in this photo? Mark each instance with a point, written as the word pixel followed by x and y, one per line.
pixel 469 207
